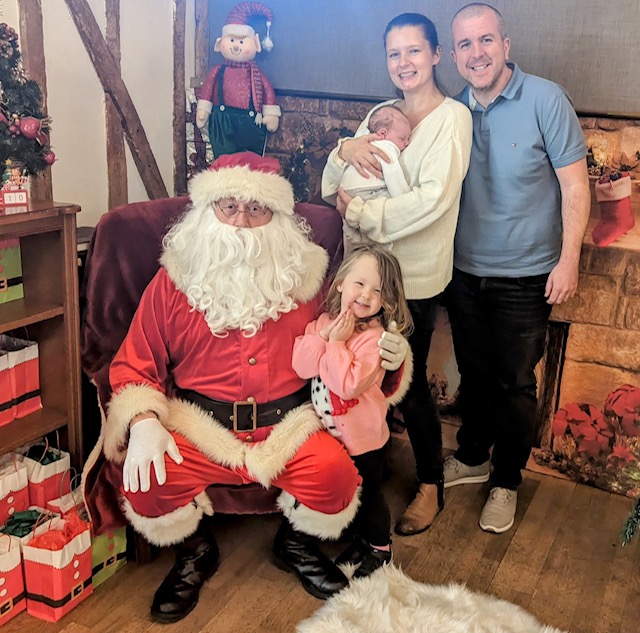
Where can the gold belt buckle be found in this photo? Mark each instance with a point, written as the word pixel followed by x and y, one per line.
pixel 254 415
pixel 77 590
pixel 4 284
pixel 110 561
pixel 6 607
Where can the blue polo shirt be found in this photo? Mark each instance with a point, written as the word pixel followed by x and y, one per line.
pixel 510 222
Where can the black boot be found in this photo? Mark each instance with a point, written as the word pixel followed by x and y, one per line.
pixel 367 558
pixel 196 562
pixel 300 553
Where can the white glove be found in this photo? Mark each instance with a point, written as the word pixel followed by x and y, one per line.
pixel 148 442
pixel 393 348
pixel 201 118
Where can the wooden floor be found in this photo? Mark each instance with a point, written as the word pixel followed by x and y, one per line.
pixel 562 562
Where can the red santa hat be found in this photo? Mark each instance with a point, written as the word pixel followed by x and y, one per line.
pixel 244 176
pixel 242 15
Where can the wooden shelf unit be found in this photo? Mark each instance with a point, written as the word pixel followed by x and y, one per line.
pixel 49 315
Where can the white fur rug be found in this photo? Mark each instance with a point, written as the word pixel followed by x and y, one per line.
pixel 390 602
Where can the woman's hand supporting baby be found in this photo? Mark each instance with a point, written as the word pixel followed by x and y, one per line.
pixel 342 201
pixel 360 153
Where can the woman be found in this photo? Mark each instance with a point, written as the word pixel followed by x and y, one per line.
pixel 420 225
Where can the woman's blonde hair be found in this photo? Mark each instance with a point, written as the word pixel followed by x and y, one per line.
pixel 394 303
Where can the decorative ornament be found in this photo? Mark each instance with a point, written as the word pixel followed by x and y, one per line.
pixel 49 157
pixel 30 127
pixel 613 192
pixel 236 98
pixel 24 127
pixel 267 42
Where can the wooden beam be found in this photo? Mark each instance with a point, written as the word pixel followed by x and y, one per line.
pixel 112 83
pixel 202 38
pixel 32 48
pixel 179 99
pixel 116 156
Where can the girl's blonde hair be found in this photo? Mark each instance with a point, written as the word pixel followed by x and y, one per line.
pixel 394 303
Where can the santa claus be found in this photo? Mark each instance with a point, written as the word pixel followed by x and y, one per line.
pixel 204 389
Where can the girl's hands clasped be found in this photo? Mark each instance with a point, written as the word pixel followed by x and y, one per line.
pixel 341 328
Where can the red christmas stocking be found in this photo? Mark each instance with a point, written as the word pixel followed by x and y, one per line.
pixel 616 216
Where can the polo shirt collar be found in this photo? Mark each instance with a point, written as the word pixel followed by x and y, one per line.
pixel 508 92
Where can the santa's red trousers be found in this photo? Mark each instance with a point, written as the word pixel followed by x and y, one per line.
pixel 321 476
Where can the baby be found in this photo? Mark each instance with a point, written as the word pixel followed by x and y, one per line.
pixel 392 125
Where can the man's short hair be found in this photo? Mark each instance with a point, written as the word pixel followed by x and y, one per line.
pixel 384 117
pixel 478 8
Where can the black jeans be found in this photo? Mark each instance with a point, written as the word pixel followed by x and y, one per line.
pixel 499 329
pixel 418 408
pixel 373 520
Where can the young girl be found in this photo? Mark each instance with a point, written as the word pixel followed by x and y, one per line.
pixel 339 351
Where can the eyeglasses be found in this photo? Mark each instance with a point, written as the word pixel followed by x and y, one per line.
pixel 231 208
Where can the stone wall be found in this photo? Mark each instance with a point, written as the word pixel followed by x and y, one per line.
pixel 315 124
pixel 603 349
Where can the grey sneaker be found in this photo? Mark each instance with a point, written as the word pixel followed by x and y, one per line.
pixel 499 510
pixel 456 473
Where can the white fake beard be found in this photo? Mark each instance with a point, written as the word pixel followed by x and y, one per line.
pixel 239 277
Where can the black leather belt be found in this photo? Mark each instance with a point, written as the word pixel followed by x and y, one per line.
pixel 246 415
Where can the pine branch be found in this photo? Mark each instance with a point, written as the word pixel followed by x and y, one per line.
pixel 632 524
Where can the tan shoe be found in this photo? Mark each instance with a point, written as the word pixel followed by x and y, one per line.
pixel 422 511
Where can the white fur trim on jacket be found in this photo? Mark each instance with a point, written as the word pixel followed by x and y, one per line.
pixel 270 190
pixel 124 406
pixel 264 460
pixel 205 105
pixel 405 380
pixel 271 110
pixel 167 529
pixel 317 260
pixel 314 523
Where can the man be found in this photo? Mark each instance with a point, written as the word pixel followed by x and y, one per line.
pixel 524 211
pixel 204 389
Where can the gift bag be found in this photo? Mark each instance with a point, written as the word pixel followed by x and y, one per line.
pixel 57 568
pixel 7 402
pixel 48 478
pixel 24 524
pixel 12 593
pixel 71 502
pixel 24 373
pixel 11 287
pixel 14 491
pixel 108 554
